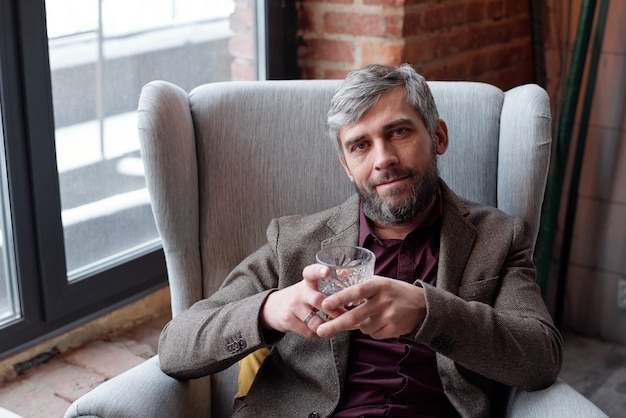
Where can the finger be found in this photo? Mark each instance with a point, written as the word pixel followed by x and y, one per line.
pixel 313 273
pixel 308 318
pixel 315 322
pixel 300 327
pixel 373 329
pixel 346 321
pixel 352 295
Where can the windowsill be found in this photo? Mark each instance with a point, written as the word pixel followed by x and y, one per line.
pixel 149 307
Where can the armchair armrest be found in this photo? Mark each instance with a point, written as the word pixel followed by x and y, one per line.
pixel 558 400
pixel 145 392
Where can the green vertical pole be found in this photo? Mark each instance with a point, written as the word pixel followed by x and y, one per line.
pixel 560 147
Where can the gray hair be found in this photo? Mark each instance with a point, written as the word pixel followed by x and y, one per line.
pixel 363 87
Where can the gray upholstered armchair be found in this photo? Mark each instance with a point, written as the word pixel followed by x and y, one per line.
pixel 223 160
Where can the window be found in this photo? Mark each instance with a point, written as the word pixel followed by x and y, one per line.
pixel 77 236
pixel 9 298
pixel 101 54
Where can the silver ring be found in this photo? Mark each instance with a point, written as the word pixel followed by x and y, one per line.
pixel 309 317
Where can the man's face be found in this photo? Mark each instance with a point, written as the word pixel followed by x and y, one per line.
pixel 392 160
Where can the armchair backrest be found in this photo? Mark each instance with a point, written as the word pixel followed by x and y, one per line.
pixel 223 160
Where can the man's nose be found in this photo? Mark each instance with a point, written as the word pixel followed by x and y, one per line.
pixel 385 156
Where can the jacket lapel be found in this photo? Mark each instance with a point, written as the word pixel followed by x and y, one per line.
pixel 456 242
pixel 345 231
pixel 344 224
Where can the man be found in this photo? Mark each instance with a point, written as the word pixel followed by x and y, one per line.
pixel 451 319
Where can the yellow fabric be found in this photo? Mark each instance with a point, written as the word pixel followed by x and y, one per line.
pixel 248 367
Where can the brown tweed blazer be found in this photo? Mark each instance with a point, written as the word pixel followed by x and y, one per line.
pixel 486 318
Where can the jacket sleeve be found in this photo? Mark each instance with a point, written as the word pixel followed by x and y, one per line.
pixel 496 323
pixel 218 331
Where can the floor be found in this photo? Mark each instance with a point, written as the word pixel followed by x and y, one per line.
pixel 596 369
pixel 47 390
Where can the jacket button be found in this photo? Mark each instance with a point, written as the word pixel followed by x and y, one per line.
pixel 443 344
pixel 242 343
pixel 314 415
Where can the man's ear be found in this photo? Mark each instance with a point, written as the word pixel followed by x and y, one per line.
pixel 346 168
pixel 441 137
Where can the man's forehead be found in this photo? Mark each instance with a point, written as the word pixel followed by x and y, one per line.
pixel 389 110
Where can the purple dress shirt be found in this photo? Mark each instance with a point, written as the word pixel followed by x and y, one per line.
pixel 397 377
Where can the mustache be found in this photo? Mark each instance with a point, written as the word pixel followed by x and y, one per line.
pixel 391 174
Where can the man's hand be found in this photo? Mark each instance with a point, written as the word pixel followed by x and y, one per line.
pixel 392 308
pixel 286 310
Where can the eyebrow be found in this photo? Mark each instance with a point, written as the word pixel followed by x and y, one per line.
pixel 351 141
pixel 398 122
pixel 388 126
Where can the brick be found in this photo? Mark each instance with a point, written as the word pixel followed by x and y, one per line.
pixel 384 2
pixel 394 25
pixel 519 26
pixel 308 72
pixel 330 50
pixel 455 14
pixel 432 19
pixel 382 53
pixel 495 9
pixel 104 358
pixel 331 1
pixel 241 46
pixel 64 380
pixel 412 24
pixel 150 332
pixel 335 74
pixel 420 49
pixel 18 397
pixel 307 18
pixel 241 20
pixel 241 70
pixel 432 73
pixel 458 67
pixel 514 53
pixel 516 7
pixel 478 63
pixel 476 11
pixel 354 24
pixel 454 42
pixel 508 78
pixel 488 33
pixel 397 3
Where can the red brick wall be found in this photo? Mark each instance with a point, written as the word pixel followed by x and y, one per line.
pixel 478 40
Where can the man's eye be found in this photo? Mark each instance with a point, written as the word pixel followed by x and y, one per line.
pixel 359 147
pixel 398 131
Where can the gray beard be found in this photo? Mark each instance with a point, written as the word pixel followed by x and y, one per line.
pixel 423 193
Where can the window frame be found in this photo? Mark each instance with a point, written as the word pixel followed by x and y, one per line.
pixel 277 23
pixel 15 333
